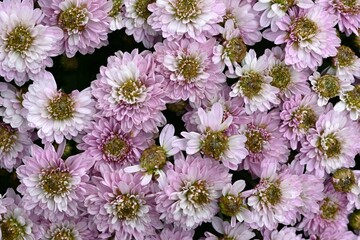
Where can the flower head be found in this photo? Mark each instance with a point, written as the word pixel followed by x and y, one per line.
pixel 237 232
pixel 350 100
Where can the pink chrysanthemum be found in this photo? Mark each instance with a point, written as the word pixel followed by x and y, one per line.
pixel 331 145
pixel 212 140
pixel 14 145
pixel 347 12
pixel 56 114
pixel 26 46
pixel 135 22
pixel 11 108
pixel 289 81
pixel 264 141
pixel 116 14
pixel 350 100
pixel 245 19
pixel 331 215
pixel 272 11
pixel 107 143
pixel 153 159
pixel 197 19
pixel 189 191
pixel 309 36
pixel 253 85
pixel 52 187
pixel 237 232
pixel 175 233
pixel 275 199
pixel 122 206
pixel 232 203
pixel 129 90
pixel 286 233
pixel 299 114
pixel 328 86
pixel 188 70
pixel 335 234
pixel 85 23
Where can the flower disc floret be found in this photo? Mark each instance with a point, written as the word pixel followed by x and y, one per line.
pixel 131 91
pixel 215 144
pixel 197 193
pixel 345 56
pixel 19 39
pixel 328 86
pixel 251 83
pixel 329 209
pixel 343 180
pixel 230 204
pixel 153 158
pixel 352 98
pixel 12 229
pixel 304 29
pixel 115 148
pixel 281 76
pixel 235 49
pixel 126 206
pixel 186 9
pixel 7 137
pixel 62 234
pixel 61 107
pixel 330 145
pixel 284 4
pixel 188 67
pixel 272 194
pixel 55 182
pixel 256 137
pixel 141 8
pixel 73 19
pixel 306 118
pixel 116 8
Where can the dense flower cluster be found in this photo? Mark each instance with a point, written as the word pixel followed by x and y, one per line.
pixel 231 119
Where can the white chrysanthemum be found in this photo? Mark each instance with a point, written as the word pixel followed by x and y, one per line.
pixel 253 85
pixel 56 114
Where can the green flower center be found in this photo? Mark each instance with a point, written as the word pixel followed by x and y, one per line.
pixel 215 144
pixel 329 209
pixel 330 145
pixel 328 86
pixel 126 206
pixel 11 229
pixel 230 204
pixel 197 193
pixel 281 76
pixel 235 49
pixel 73 19
pixel 186 9
pixel 55 182
pixel 284 4
pixel 304 29
pixel 116 8
pixel 153 158
pixel 343 180
pixel 350 3
pixel 61 107
pixel 7 137
pixel 306 118
pixel 352 98
pixel 354 220
pixel 115 149
pixel 345 56
pixel 227 237
pixel 19 39
pixel 141 8
pixel 131 91
pixel 251 83
pixel 256 138
pixel 62 234
pixel 189 68
pixel 273 193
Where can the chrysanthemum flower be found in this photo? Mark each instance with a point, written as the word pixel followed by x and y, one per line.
pixel 350 101
pixel 232 203
pixel 299 114
pixel 309 36
pixel 85 23
pixel 328 86
pixel 264 141
pixel 188 69
pixel 347 12
pixel 11 108
pixel 129 90
pixel 272 11
pixel 197 19
pixel 56 114
pixel 237 232
pixel 135 21
pixel 332 214
pixel 14 145
pixel 50 186
pixel 346 64
pixel 275 198
pixel 331 144
pixel 153 159
pixel 212 140
pixel 122 206
pixel 107 143
pixel 26 46
pixel 116 14
pixel 170 232
pixel 335 234
pixel 289 81
pixel 253 85
pixel 286 233
pixel 189 191
pixel 244 18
